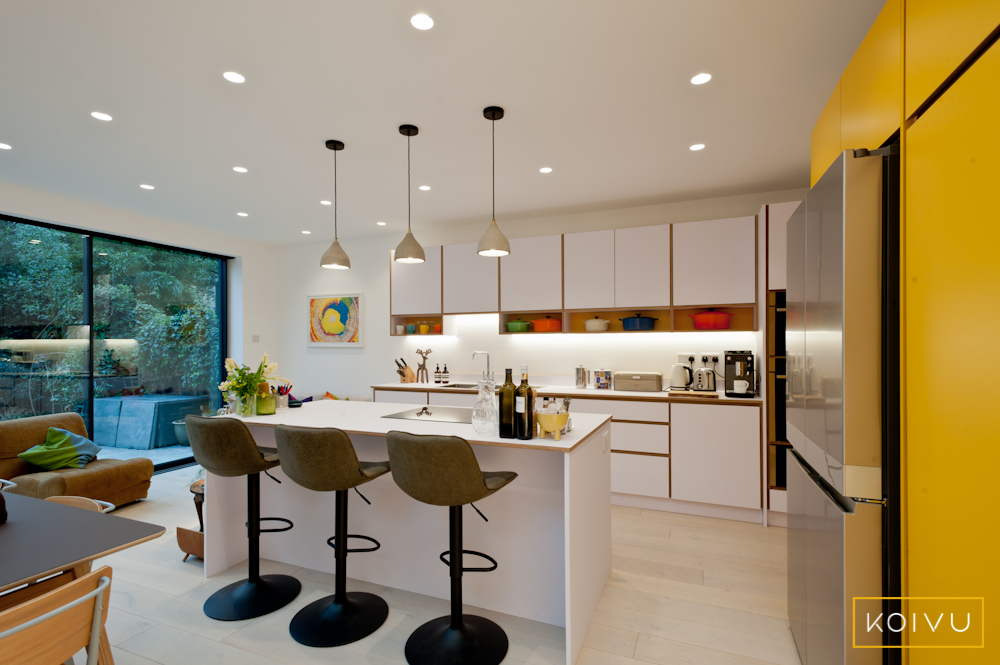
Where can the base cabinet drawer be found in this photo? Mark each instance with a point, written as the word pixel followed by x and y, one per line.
pixel 644 475
pixel 401 396
pixel 620 409
pixel 640 438
pixel 452 399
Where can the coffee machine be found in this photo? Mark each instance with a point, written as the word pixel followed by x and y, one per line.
pixel 740 381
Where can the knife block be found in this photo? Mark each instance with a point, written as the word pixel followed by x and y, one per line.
pixel 408 376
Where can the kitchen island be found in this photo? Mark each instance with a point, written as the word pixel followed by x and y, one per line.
pixel 550 529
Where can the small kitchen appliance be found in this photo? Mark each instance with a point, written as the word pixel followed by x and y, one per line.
pixel 704 379
pixel 649 381
pixel 681 377
pixel 739 374
pixel 582 376
pixel 602 379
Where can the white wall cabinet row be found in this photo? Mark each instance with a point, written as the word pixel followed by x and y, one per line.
pixel 691 263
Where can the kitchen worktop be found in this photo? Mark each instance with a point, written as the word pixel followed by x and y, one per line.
pixel 572 391
pixel 366 418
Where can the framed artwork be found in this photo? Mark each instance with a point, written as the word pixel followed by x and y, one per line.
pixel 336 321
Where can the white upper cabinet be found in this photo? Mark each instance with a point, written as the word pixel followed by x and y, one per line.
pixel 589 270
pixel 531 275
pixel 642 267
pixel 777 223
pixel 715 262
pixel 415 288
pixel 470 281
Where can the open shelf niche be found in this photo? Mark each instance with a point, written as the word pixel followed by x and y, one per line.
pixel 576 319
pixel 530 316
pixel 743 317
pixel 416 320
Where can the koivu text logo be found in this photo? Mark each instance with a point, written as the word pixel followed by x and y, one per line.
pixel 922 623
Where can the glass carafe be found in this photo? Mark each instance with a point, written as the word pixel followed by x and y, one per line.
pixel 485 416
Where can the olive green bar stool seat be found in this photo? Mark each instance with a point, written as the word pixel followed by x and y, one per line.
pixel 225 447
pixel 324 460
pixel 443 471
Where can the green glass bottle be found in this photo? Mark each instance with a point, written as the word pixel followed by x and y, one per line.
pixel 507 395
pixel 524 408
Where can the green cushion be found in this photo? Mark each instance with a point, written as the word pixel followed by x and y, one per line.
pixel 62 450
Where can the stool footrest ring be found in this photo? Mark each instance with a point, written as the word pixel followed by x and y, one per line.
pixel 274 519
pixel 332 542
pixel 444 558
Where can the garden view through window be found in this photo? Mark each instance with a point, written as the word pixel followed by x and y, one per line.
pixel 128 335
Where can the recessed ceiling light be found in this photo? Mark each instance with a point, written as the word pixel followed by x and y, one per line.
pixel 326 203
pixel 35 242
pixel 101 116
pixel 147 186
pixel 425 188
pixel 102 253
pixel 4 146
pixel 380 223
pixel 305 233
pixel 698 146
pixel 545 169
pixel 239 169
pixel 234 77
pixel 422 22
pixel 242 214
pixel 701 78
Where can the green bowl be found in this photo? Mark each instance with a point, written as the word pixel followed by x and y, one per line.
pixel 517 326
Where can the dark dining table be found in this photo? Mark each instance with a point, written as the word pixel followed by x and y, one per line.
pixel 45 544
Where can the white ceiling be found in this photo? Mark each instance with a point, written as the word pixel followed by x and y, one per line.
pixel 597 89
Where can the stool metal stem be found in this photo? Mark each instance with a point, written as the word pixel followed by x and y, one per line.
pixel 253 525
pixel 455 529
pixel 340 589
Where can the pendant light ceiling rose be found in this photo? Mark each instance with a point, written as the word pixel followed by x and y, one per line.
pixel 494 242
pixel 335 258
pixel 408 250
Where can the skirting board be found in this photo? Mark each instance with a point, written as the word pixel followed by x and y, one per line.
pixel 688 507
pixel 775 518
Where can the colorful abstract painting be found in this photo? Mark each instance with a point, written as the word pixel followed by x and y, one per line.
pixel 335 321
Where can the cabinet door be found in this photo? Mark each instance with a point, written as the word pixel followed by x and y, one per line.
pixel 825 140
pixel 642 266
pixel 452 399
pixel 715 451
pixel 620 409
pixel 531 275
pixel 415 288
pixel 870 88
pixel 640 474
pixel 589 270
pixel 401 396
pixel 777 244
pixel 471 282
pixel 640 438
pixel 715 262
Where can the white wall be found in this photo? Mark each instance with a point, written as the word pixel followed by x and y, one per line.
pixel 350 372
pixel 250 274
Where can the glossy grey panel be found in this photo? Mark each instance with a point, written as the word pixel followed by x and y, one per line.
pixel 795 327
pixel 798 484
pixel 824 578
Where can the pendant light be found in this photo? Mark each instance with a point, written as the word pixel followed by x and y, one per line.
pixel 493 242
pixel 335 258
pixel 409 250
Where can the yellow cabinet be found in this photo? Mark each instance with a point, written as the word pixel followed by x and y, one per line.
pixel 939 36
pixel 870 88
pixel 825 141
pixel 952 232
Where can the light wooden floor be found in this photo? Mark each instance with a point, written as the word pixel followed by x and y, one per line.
pixel 682 590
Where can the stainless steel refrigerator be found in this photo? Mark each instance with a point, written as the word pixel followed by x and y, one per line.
pixel 834 408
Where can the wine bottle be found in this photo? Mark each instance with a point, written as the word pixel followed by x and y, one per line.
pixel 524 407
pixel 507 397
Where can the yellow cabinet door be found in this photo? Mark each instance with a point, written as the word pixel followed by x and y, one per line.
pixel 940 34
pixel 870 88
pixel 825 141
pixel 951 322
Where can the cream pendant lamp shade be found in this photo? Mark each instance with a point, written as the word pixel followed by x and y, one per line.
pixel 493 242
pixel 335 258
pixel 409 250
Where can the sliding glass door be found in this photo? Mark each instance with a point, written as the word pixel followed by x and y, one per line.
pixel 127 334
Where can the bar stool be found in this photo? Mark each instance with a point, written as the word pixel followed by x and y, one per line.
pixel 323 460
pixel 225 447
pixel 443 471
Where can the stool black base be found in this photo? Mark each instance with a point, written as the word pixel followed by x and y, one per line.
pixel 327 623
pixel 478 641
pixel 247 600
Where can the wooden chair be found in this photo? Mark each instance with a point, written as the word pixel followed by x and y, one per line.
pixel 94 505
pixel 52 627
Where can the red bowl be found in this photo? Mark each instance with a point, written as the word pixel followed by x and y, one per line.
pixel 547 325
pixel 711 320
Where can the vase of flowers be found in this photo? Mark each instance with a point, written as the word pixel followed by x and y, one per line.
pixel 243 383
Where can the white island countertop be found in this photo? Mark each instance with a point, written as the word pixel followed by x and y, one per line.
pixel 367 418
pixel 585 393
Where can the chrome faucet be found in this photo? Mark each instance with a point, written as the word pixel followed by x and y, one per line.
pixel 487 374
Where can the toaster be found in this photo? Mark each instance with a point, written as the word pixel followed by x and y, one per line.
pixel 648 381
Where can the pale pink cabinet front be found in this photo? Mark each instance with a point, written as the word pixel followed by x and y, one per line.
pixel 589 270
pixel 471 281
pixel 715 262
pixel 642 267
pixel 415 288
pixel 531 275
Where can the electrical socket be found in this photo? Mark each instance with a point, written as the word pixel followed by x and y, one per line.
pixel 709 357
pixel 687 357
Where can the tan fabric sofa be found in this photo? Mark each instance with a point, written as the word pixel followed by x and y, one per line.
pixel 116 481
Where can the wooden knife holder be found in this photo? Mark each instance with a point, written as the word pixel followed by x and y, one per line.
pixel 408 376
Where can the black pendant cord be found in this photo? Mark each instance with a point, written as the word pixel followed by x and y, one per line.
pixel 335 195
pixel 493 126
pixel 408 193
